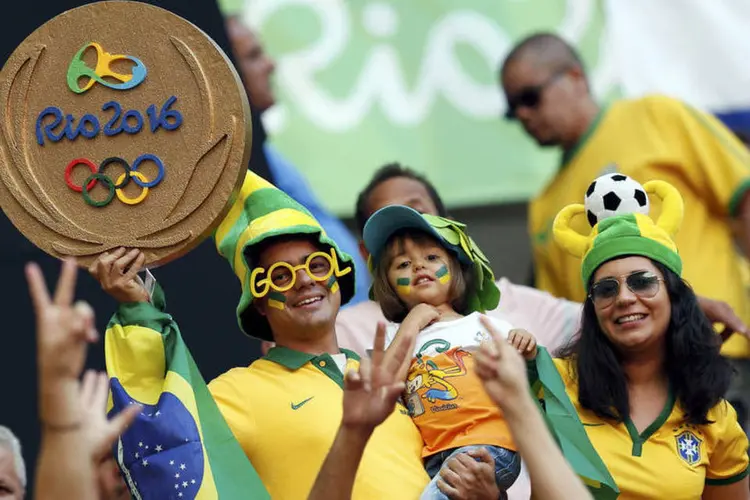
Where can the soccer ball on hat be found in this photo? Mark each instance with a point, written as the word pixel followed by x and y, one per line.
pixel 614 194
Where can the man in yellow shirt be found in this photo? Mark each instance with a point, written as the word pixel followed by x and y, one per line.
pixel 285 408
pixel 654 137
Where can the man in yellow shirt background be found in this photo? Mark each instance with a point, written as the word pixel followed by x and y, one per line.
pixel 654 137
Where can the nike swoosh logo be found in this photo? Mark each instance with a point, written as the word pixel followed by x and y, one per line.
pixel 298 405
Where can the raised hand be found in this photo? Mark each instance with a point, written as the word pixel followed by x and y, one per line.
pixel 370 394
pixel 720 312
pixel 501 368
pixel 101 433
pixel 63 328
pixel 117 272
pixel 75 431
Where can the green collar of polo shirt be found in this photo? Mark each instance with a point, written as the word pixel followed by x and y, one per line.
pixel 639 439
pixel 294 360
pixel 568 155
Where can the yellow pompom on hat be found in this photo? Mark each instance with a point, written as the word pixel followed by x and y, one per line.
pixel 625 234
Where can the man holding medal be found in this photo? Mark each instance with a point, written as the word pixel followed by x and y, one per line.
pixel 285 408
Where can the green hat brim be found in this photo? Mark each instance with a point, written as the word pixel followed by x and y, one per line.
pixel 624 246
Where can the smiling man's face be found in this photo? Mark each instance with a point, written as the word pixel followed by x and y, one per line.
pixel 309 307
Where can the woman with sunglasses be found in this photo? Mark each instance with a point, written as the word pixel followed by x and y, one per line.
pixel 644 373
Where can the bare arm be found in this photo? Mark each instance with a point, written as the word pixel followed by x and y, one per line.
pixel 75 431
pixel 735 491
pixel 551 476
pixel 59 465
pixel 503 372
pixel 370 396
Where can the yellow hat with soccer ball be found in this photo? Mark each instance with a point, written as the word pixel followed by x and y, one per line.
pixel 622 228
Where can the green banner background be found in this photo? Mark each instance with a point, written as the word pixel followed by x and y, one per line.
pixel 363 83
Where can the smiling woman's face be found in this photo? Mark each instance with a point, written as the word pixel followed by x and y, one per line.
pixel 637 317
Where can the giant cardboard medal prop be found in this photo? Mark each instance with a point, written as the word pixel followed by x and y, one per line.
pixel 123 125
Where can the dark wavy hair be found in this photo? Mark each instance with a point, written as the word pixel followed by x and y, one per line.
pixel 699 376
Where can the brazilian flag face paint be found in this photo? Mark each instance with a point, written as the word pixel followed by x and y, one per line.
pixel 443 275
pixel 333 284
pixel 403 286
pixel 277 300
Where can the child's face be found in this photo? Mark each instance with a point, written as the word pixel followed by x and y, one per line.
pixel 419 271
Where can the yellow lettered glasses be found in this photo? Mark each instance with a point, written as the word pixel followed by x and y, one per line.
pixel 282 276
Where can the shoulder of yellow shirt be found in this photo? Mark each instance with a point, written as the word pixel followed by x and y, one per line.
pixel 651 105
pixel 566 368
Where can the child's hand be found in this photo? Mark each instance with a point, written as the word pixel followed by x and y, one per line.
pixel 524 342
pixel 421 316
pixel 501 369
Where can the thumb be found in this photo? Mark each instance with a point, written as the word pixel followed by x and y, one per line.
pixel 114 428
pixel 352 380
pixel 482 454
pixel 117 425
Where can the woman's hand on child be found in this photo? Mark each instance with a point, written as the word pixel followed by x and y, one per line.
pixel 524 342
pixel 501 368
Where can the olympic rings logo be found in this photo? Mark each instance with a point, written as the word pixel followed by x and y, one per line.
pixel 115 188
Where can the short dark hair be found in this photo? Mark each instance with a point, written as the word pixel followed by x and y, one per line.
pixel 698 374
pixel 462 278
pixel 387 172
pixel 550 47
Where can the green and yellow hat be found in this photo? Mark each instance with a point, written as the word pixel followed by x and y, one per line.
pixel 260 212
pixel 625 233
pixel 384 223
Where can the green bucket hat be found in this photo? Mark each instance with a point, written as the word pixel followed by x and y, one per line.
pixel 260 212
pixel 484 295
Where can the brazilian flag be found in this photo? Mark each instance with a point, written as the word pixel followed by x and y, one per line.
pixel 179 447
pixel 566 427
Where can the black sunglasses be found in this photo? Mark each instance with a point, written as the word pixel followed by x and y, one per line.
pixel 644 284
pixel 531 96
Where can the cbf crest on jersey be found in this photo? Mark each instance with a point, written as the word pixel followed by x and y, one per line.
pixel 689 447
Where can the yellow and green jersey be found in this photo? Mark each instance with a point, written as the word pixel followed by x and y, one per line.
pixel 668 459
pixel 656 138
pixel 285 410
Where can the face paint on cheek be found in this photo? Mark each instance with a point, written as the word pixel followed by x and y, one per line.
pixel 276 300
pixel 443 275
pixel 333 284
pixel 403 286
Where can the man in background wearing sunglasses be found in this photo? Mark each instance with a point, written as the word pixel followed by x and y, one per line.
pixel 654 137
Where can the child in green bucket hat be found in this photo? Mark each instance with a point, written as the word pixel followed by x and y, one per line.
pixel 431 277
